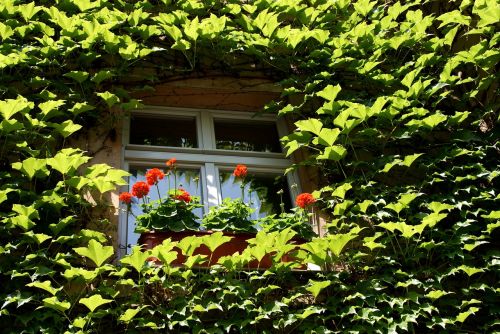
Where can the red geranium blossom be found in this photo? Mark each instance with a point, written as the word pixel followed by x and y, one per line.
pixel 140 189
pixel 154 175
pixel 126 197
pixel 182 195
pixel 171 163
pixel 240 171
pixel 304 200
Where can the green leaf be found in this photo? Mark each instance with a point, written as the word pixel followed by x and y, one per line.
pixel 469 270
pixel 312 125
pixel 46 285
pixel 137 259
pixel 37 237
pixel 101 76
pixel 9 107
pixel 436 294
pixel 315 287
pixel 94 302
pixel 492 215
pixel 5 31
pixel 31 167
pixel 437 207
pixel 79 108
pixel 453 17
pixel 327 136
pixel 189 244
pixel 215 240
pixel 67 160
pixel 78 76
pixel 337 242
pixel 129 314
pixel 56 228
pixel 464 315
pixel 3 194
pixel 341 190
pixel 96 252
pixel 330 92
pixel 110 98
pixel 54 303
pixel 335 153
pixel 66 128
pixel 8 126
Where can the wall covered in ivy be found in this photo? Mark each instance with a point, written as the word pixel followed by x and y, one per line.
pixel 395 102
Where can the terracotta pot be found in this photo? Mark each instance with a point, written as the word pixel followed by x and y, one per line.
pixel 238 243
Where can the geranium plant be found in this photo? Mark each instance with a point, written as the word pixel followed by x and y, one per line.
pixel 172 212
pixel 234 214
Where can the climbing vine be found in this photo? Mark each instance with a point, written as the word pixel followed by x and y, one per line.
pixel 394 102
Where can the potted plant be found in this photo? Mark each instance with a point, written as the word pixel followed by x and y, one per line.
pixel 172 217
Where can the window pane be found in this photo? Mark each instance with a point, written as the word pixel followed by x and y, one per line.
pixel 261 192
pixel 160 131
pixel 250 136
pixel 189 179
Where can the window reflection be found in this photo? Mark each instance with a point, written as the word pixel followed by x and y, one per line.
pixel 161 131
pixel 189 179
pixel 240 136
pixel 262 192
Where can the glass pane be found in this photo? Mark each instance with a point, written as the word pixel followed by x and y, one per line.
pixel 250 136
pixel 161 131
pixel 261 192
pixel 189 179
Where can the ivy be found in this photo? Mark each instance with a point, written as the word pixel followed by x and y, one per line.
pixel 394 103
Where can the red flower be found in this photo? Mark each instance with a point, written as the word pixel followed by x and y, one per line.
pixel 304 200
pixel 240 171
pixel 171 163
pixel 154 175
pixel 182 195
pixel 126 197
pixel 140 189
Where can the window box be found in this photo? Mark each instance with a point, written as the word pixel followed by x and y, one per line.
pixel 238 243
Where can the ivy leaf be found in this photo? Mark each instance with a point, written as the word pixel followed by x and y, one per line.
pixel 54 303
pixel 5 31
pixel 215 240
pixel 492 215
pixel 337 242
pixel 437 207
pixel 340 191
pixel 436 294
pixel 46 285
pixel 110 98
pixel 129 314
pixel 10 107
pixel 335 153
pixel 315 287
pixel 137 259
pixel 101 76
pixel 3 194
pixel 31 167
pixel 453 17
pixel 8 126
pixel 66 128
pixel 57 228
pixel 330 92
pixel 96 252
pixel 94 302
pixel 312 125
pixel 469 270
pixel 78 76
pixel 79 108
pixel 37 237
pixel 327 136
pixel 464 315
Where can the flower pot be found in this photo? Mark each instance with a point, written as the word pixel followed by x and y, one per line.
pixel 238 243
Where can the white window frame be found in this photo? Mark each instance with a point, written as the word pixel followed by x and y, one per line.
pixel 205 157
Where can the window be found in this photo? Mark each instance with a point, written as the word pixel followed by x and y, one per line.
pixel 207 145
